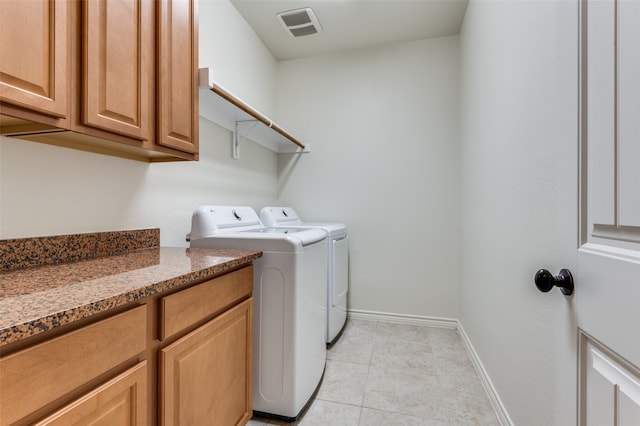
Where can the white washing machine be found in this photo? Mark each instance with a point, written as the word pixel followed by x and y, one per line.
pixel 289 351
pixel 337 263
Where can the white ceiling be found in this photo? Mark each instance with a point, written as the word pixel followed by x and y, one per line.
pixel 352 24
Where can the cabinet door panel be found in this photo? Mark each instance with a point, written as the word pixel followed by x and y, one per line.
pixel 121 401
pixel 206 375
pixel 117 66
pixel 34 54
pixel 178 74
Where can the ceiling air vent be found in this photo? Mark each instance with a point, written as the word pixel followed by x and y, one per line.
pixel 299 22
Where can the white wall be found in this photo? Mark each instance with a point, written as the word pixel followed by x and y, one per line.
pixel 508 198
pixel 47 190
pixel 385 127
pixel 382 127
pixel 236 56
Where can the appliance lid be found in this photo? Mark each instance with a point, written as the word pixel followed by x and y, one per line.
pixel 277 230
pixel 287 217
pixel 296 236
pixel 242 222
pixel 211 220
pixel 279 216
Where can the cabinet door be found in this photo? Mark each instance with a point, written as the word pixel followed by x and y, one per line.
pixel 118 72
pixel 206 376
pixel 34 55
pixel 121 401
pixel 178 74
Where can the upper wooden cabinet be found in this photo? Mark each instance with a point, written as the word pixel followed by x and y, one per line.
pixel 111 58
pixel 178 74
pixel 35 58
pixel 117 67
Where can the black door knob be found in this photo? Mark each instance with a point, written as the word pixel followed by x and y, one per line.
pixel 545 281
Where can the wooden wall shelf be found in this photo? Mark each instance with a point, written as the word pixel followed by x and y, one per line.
pixel 224 108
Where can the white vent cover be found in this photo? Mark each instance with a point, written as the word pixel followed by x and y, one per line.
pixel 300 22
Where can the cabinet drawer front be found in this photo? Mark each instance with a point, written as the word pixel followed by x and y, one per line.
pixel 120 401
pixel 36 376
pixel 180 310
pixel 206 376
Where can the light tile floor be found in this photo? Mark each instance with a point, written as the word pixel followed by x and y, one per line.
pixel 386 374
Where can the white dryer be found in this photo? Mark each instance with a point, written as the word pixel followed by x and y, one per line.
pixel 289 351
pixel 337 263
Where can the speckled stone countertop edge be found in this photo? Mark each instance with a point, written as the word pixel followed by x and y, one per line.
pixel 41 324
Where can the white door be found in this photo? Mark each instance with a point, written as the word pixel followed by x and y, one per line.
pixel 598 327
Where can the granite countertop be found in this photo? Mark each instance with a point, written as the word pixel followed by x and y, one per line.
pixel 35 299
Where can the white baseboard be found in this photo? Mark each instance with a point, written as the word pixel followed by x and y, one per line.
pixel 402 319
pixel 494 398
pixel 492 393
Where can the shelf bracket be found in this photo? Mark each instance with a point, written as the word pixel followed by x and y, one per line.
pixel 238 138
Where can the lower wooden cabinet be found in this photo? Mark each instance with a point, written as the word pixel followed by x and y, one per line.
pixel 35 377
pixel 179 359
pixel 121 401
pixel 205 377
